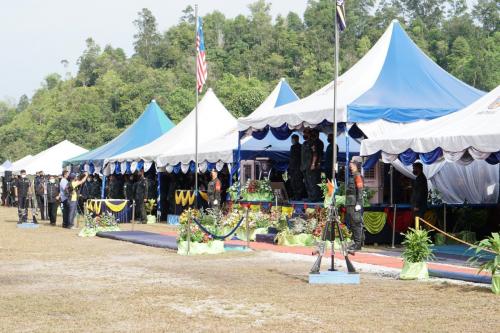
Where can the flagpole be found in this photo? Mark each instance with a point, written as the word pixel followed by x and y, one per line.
pixel 196 112
pixel 334 140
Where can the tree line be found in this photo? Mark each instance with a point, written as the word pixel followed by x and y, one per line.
pixel 246 55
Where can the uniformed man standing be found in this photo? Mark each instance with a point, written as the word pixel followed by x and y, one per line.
pixel 306 158
pixel 419 191
pixel 140 196
pixel 296 176
pixel 314 171
pixel 354 205
pixel 23 192
pixel 52 199
pixel 40 186
pixel 128 187
pixel 214 189
pixel 114 190
pixel 95 188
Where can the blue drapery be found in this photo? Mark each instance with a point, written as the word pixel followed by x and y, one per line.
pixel 177 168
pixel 117 167
pixel 140 165
pixel 494 158
pixel 371 161
pixel 408 157
pixel 128 169
pixel 432 156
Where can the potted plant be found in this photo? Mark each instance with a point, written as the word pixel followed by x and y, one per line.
pixel 490 244
pixel 149 205
pixel 417 251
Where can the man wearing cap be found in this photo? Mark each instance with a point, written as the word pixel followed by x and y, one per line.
pixel 354 205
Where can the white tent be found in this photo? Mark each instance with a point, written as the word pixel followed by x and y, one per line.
pixel 20 164
pixel 468 136
pixel 217 137
pixel 50 160
pixel 475 129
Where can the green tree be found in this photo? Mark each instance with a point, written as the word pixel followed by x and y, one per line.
pixel 147 37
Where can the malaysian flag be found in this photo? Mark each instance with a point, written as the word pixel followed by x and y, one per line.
pixel 201 62
pixel 341 15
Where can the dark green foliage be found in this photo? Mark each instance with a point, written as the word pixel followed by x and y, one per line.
pixel 247 55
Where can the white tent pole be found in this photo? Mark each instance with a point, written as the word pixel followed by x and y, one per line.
pixel 196 111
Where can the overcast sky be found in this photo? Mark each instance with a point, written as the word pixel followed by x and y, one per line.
pixel 35 35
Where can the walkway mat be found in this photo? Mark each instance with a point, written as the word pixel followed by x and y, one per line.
pixel 460 276
pixel 153 239
pixel 143 238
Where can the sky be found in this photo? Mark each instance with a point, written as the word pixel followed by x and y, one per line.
pixel 35 35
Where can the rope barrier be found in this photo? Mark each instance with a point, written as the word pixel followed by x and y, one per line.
pixel 451 236
pixel 217 236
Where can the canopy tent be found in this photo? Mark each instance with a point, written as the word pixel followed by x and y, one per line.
pixel 50 160
pixel 470 137
pixel 217 137
pixel 395 82
pixel 5 166
pixel 471 133
pixel 20 164
pixel 149 126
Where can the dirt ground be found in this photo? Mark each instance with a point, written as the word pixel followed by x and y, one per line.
pixel 51 280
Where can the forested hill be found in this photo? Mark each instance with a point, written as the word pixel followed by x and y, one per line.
pixel 247 55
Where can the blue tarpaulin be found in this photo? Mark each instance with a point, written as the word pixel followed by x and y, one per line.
pixel 149 126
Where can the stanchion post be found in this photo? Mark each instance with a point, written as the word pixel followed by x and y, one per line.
pixel 417 222
pixel 133 214
pixel 189 234
pixel 247 228
pixel 394 224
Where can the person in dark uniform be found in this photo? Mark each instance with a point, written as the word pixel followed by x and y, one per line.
pixel 52 199
pixel 95 188
pixel 128 187
pixel 114 188
pixel 296 176
pixel 23 192
pixel 329 157
pixel 419 191
pixel 354 205
pixel 140 196
pixel 313 173
pixel 214 189
pixel 40 185
pixel 306 158
pixel 84 194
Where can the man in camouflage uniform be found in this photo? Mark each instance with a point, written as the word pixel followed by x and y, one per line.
pixel 214 190
pixel 24 191
pixel 354 205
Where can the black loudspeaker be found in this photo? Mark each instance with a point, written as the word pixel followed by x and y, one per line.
pixel 8 176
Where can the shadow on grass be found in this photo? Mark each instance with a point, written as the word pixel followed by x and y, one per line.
pixel 295 277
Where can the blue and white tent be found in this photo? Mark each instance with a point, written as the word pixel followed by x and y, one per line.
pixel 152 124
pixel 394 83
pixel 272 147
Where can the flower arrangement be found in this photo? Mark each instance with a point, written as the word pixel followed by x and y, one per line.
pixel 257 190
pixel 233 191
pixel 98 223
